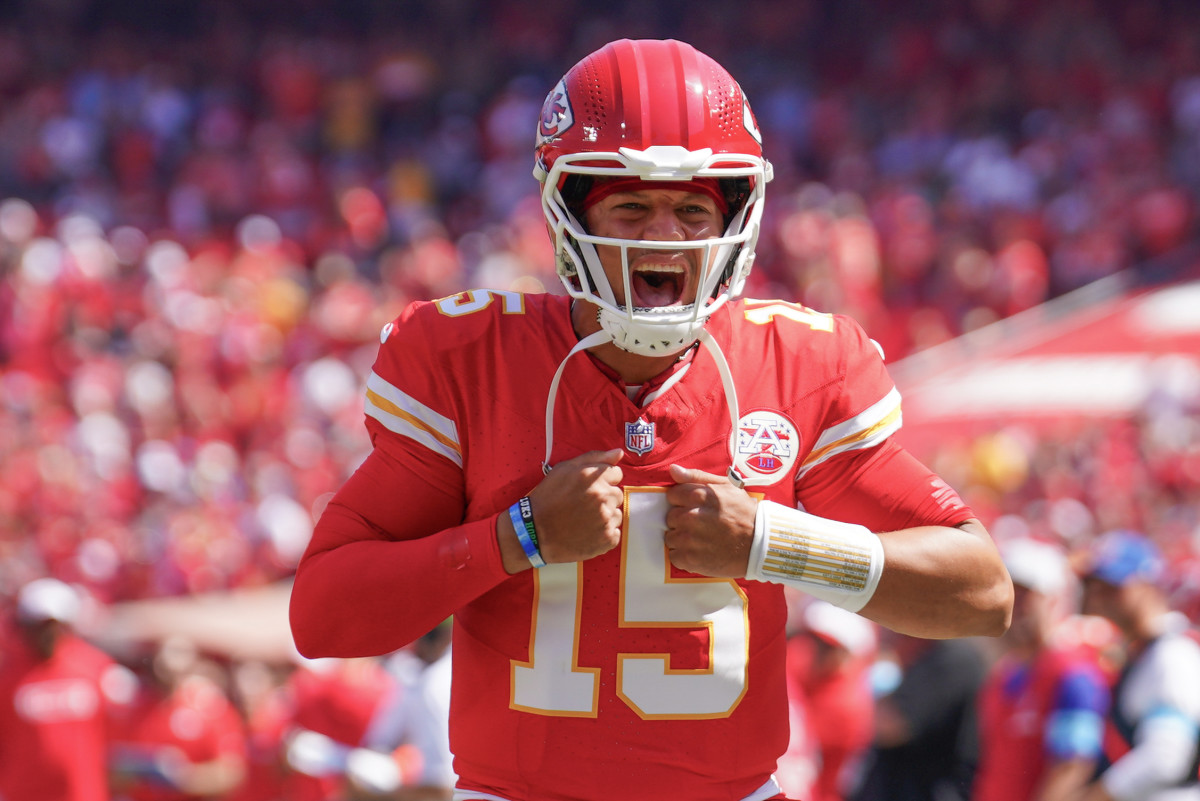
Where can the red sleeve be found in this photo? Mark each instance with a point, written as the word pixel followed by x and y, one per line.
pixel 388 561
pixel 391 557
pixel 884 488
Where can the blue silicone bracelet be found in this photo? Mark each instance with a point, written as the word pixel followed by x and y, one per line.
pixel 523 536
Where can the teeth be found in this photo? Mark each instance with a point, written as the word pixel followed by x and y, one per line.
pixel 672 309
pixel 660 268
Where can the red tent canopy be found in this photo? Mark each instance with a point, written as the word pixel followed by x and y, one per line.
pixel 1104 352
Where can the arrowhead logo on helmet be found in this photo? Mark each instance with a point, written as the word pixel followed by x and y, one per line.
pixel 556 113
pixel 750 123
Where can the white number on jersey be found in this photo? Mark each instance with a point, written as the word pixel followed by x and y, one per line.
pixel 553 682
pixel 474 300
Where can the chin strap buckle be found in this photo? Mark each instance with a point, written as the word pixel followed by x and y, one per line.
pixel 735 478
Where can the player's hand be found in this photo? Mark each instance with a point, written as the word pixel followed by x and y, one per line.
pixel 577 509
pixel 710 524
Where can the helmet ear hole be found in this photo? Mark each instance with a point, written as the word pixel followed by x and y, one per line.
pixel 566 265
pixel 736 192
pixel 574 190
pixel 563 264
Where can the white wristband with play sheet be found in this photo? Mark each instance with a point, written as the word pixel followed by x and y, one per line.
pixel 837 562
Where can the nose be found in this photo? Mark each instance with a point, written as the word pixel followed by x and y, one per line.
pixel 663 225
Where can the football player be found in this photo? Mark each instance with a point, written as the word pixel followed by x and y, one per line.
pixel 605 488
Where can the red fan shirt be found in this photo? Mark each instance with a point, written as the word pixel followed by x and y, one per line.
pixel 56 719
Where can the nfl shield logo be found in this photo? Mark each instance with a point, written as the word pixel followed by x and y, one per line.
pixel 639 437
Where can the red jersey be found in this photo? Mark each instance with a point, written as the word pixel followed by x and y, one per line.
pixel 620 676
pixel 55 721
pixel 196 723
pixel 1022 707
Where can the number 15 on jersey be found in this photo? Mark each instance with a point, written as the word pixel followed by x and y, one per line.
pixel 553 682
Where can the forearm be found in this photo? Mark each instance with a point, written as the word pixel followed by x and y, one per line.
pixel 215 777
pixel 1094 792
pixel 940 582
pixel 942 575
pixel 369 596
pixel 1067 780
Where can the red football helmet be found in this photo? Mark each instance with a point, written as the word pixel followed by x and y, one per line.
pixel 655 111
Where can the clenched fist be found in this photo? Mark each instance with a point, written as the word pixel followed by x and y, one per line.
pixel 577 511
pixel 710 524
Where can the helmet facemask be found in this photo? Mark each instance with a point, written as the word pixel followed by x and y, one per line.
pixel 725 260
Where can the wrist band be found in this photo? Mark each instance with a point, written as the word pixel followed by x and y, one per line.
pixel 521 514
pixel 527 516
pixel 837 562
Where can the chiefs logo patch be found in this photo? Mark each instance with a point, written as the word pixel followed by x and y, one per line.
pixel 767 446
pixel 556 114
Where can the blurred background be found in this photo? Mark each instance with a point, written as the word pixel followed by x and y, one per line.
pixel 208 210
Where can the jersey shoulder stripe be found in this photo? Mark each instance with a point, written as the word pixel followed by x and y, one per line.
pixel 865 430
pixel 405 415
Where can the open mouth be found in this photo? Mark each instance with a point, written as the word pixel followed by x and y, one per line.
pixel 657 285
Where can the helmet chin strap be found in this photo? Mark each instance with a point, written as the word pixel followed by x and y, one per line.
pixel 590 341
pixel 602 337
pixel 731 401
pixel 648 340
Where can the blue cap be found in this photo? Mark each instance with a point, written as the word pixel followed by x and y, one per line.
pixel 1123 556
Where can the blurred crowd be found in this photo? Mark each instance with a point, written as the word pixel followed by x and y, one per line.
pixel 208 211
pixel 1069 484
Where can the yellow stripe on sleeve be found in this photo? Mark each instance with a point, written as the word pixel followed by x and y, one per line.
pixel 864 430
pixel 408 417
